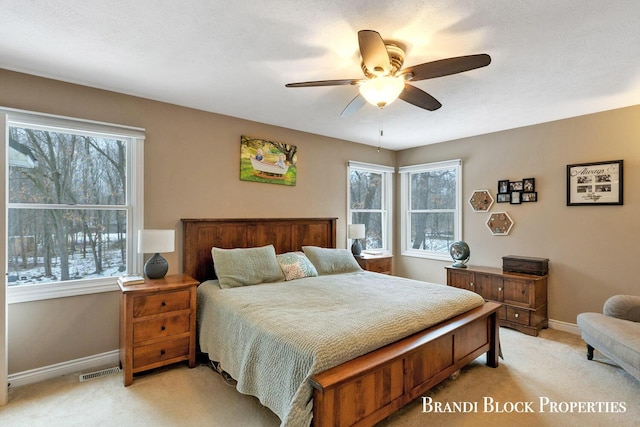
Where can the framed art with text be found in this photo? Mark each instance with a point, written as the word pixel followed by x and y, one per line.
pixel 597 183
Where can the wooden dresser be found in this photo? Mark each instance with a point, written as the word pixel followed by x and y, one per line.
pixel 157 324
pixel 375 263
pixel 523 296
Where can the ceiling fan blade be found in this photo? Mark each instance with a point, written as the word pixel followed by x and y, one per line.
pixel 354 105
pixel 374 52
pixel 326 83
pixel 419 98
pixel 445 67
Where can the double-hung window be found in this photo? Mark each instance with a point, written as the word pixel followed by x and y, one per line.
pixel 431 208
pixel 73 202
pixel 369 202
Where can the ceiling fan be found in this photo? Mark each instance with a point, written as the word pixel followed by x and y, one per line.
pixel 385 79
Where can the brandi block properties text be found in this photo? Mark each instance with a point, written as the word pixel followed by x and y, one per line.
pixel 542 405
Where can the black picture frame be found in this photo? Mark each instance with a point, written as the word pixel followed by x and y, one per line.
pixel 529 196
pixel 516 197
pixel 503 186
pixel 595 184
pixel 515 186
pixel 504 197
pixel 529 185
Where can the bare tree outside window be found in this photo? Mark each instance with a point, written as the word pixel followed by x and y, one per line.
pixel 433 204
pixel 431 214
pixel 366 205
pixel 67 216
pixel 369 200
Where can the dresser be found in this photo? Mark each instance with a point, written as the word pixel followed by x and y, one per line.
pixel 157 324
pixel 375 263
pixel 523 296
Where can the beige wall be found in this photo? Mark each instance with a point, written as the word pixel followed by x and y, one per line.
pixel 592 249
pixel 191 171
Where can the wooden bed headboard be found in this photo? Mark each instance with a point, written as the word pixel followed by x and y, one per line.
pixel 285 234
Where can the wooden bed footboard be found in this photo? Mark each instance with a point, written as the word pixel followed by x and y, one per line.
pixel 369 388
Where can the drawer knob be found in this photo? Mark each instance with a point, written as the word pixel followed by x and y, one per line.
pixel 471 284
pixel 162 352
pixel 500 289
pixel 162 328
pixel 164 304
pixel 516 315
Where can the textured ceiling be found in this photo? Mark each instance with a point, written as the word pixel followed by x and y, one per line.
pixel 550 59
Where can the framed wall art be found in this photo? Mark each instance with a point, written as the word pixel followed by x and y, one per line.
pixel 504 198
pixel 529 185
pixel 517 192
pixel 266 161
pixel 503 186
pixel 516 197
pixel 597 183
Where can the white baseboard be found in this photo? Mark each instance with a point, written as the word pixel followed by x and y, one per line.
pixel 110 358
pixel 564 326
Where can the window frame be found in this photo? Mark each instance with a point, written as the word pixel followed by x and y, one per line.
pixel 387 202
pixel 405 203
pixel 134 205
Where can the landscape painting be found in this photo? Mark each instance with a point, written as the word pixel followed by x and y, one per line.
pixel 267 161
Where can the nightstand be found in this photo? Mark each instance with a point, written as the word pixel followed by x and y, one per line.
pixel 375 263
pixel 157 324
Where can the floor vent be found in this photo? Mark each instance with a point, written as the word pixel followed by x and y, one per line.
pixel 97 374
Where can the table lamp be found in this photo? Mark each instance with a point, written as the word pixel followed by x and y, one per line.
pixel 356 231
pixel 154 242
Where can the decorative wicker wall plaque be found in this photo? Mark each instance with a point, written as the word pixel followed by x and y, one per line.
pixel 500 223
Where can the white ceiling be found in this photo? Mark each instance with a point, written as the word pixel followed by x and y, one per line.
pixel 551 59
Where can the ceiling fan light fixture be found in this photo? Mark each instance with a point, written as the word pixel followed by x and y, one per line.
pixel 383 90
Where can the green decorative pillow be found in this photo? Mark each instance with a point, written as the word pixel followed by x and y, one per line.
pixel 295 265
pixel 331 261
pixel 246 266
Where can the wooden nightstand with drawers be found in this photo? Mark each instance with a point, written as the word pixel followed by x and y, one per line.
pixel 375 263
pixel 157 324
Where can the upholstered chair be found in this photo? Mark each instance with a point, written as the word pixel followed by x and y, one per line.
pixel 615 332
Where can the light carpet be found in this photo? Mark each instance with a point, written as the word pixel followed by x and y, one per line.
pixel 551 366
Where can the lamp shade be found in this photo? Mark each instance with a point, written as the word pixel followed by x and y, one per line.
pixel 356 231
pixel 155 241
pixel 382 90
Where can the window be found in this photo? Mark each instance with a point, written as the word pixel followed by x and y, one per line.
pixel 74 199
pixel 431 208
pixel 369 202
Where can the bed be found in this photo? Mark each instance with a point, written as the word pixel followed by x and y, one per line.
pixel 380 366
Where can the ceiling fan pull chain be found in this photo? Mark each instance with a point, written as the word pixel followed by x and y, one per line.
pixel 381 131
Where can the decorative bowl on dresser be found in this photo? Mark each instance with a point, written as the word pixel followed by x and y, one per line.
pixel 157 324
pixel 523 296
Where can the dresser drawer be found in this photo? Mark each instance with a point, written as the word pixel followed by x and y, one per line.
pixel 161 303
pixel 376 264
pixel 161 327
pixel 382 265
pixel 518 315
pixel 159 352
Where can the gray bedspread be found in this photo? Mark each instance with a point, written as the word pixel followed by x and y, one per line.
pixel 272 337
